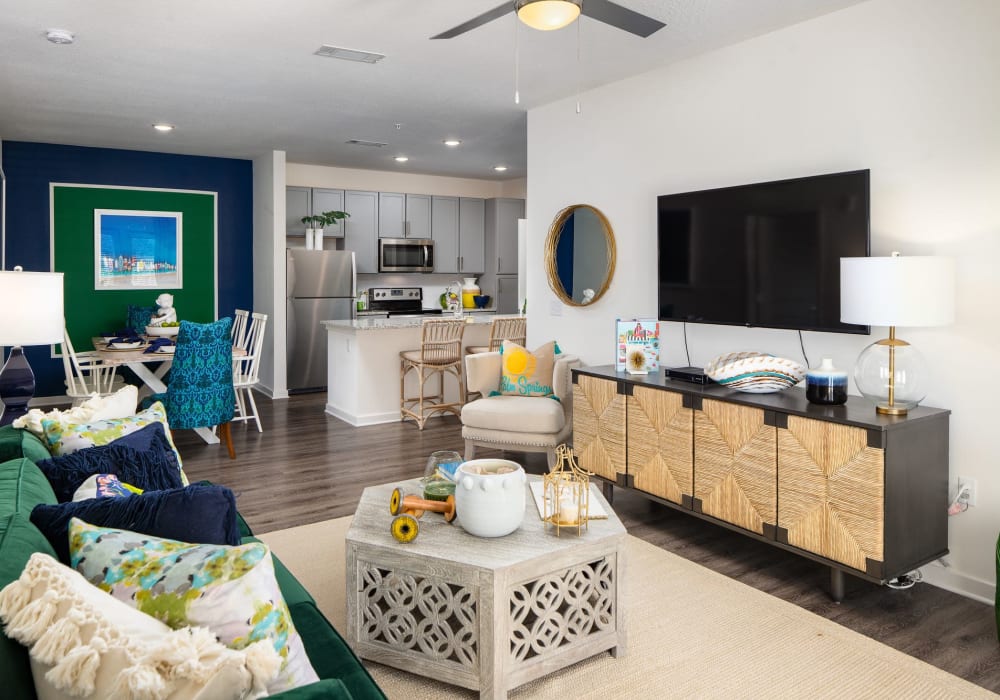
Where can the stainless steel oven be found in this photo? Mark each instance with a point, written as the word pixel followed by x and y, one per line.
pixel 405 255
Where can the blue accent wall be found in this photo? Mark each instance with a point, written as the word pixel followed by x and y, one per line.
pixel 30 167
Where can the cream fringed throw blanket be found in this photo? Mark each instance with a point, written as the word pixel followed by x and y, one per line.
pixel 85 642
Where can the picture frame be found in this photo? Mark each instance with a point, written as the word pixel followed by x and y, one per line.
pixel 138 249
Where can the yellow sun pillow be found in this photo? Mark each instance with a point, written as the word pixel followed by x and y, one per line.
pixel 527 373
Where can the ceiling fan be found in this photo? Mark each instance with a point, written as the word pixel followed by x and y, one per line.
pixel 555 14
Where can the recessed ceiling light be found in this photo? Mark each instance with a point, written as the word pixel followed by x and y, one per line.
pixel 452 142
pixel 401 159
pixel 59 36
pixel 163 127
pixel 499 168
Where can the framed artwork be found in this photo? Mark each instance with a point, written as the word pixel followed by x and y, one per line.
pixel 138 249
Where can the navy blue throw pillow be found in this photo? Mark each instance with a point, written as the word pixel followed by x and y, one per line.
pixel 200 514
pixel 144 459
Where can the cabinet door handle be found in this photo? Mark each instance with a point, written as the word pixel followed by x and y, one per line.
pixel 498 263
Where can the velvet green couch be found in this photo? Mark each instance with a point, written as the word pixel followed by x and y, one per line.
pixel 23 486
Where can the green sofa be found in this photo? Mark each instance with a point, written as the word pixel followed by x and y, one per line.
pixel 23 486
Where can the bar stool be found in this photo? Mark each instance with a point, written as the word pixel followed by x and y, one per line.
pixel 501 329
pixel 440 353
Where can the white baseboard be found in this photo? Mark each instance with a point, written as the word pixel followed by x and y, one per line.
pixel 937 574
pixel 269 392
pixel 360 421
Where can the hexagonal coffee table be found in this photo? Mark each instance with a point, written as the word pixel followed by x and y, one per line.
pixel 486 614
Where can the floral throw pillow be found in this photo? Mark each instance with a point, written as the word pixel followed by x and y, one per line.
pixel 230 590
pixel 65 438
pixel 527 373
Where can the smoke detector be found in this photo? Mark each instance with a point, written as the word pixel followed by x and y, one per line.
pixel 59 36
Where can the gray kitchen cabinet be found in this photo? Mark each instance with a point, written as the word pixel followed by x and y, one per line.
pixel 506 301
pixel 444 231
pixel 361 229
pixel 298 203
pixel 471 235
pixel 501 228
pixel 418 216
pixel 309 201
pixel 391 215
pixel 329 200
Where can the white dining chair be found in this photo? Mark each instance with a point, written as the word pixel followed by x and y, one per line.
pixel 239 332
pixel 246 369
pixel 87 374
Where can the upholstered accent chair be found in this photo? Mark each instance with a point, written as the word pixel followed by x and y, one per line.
pixel 200 391
pixel 520 423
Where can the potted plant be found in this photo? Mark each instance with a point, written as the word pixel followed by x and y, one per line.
pixel 315 225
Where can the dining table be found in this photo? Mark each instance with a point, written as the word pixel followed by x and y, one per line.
pixel 142 364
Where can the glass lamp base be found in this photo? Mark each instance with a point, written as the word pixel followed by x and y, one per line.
pixel 897 391
pixel 17 386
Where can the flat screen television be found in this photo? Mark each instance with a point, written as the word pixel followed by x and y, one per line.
pixel 766 254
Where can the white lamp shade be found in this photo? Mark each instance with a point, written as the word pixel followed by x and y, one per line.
pixel 897 291
pixel 31 308
pixel 547 15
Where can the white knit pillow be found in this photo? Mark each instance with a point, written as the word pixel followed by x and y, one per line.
pixel 84 643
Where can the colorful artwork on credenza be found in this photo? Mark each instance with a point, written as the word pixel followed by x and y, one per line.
pixel 637 345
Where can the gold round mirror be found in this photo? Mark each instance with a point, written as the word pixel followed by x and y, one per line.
pixel 580 255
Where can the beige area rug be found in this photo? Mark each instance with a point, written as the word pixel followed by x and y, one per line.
pixel 692 633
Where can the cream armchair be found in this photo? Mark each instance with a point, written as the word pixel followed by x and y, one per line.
pixel 521 423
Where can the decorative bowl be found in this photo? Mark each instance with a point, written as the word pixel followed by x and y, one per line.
pixel 162 331
pixel 755 372
pixel 481 300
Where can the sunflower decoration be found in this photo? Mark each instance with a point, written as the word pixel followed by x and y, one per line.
pixel 636 360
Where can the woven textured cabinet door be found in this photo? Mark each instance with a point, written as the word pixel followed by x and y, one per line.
pixel 599 426
pixel 735 466
pixel 660 438
pixel 831 491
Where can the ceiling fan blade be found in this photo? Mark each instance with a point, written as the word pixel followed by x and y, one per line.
pixel 488 16
pixel 621 17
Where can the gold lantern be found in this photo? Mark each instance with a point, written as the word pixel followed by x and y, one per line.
pixel 566 495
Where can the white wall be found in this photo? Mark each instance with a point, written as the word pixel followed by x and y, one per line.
pixel 268 261
pixel 301 175
pixel 907 88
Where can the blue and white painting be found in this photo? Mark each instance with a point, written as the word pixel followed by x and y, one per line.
pixel 137 249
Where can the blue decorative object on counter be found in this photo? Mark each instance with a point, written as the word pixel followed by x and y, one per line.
pixel 826 385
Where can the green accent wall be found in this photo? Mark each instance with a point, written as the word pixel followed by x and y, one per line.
pixel 89 311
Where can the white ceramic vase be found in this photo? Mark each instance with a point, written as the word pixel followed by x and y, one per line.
pixel 489 496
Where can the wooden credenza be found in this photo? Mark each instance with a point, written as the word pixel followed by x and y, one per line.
pixel 861 492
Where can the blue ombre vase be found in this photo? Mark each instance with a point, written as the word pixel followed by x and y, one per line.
pixel 826 385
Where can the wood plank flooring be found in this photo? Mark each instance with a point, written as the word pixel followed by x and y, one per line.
pixel 308 467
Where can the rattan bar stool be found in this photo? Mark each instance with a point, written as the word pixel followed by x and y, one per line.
pixel 501 329
pixel 440 353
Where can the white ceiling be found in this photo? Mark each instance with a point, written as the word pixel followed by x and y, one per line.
pixel 239 78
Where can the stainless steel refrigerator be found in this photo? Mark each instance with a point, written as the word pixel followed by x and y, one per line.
pixel 322 285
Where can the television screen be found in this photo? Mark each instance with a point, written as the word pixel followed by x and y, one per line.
pixel 765 255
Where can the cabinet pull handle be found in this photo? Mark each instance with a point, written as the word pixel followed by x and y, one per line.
pixel 498 263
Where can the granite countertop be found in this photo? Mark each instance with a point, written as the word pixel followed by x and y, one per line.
pixel 374 324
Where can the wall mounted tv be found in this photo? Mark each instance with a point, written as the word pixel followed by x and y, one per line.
pixel 766 254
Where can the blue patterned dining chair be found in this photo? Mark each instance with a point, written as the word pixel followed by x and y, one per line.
pixel 200 390
pixel 138 316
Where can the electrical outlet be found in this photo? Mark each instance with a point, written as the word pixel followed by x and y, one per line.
pixel 970 484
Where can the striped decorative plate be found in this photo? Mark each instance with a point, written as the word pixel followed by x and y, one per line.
pixel 755 372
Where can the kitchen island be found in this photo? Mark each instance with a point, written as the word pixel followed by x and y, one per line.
pixel 363 364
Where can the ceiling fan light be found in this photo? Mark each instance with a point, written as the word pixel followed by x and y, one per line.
pixel 547 15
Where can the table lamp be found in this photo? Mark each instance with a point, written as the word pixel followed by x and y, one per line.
pixel 895 291
pixel 31 313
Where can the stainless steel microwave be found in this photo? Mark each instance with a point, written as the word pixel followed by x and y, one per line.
pixel 405 255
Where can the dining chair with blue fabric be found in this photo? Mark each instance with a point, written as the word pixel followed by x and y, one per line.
pixel 138 316
pixel 200 390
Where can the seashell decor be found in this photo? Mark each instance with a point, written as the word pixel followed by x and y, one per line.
pixel 755 372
